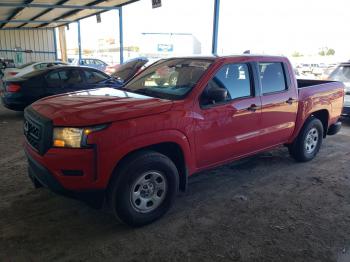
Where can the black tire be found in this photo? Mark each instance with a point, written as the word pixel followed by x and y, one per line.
pixel 300 149
pixel 122 187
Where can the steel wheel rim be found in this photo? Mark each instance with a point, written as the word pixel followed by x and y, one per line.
pixel 148 191
pixel 311 140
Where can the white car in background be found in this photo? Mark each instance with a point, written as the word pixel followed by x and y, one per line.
pixel 29 67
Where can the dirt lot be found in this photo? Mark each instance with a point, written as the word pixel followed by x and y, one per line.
pixel 266 208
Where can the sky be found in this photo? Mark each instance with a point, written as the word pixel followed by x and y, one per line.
pixel 268 26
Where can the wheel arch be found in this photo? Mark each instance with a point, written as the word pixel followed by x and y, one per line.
pixel 323 116
pixel 176 150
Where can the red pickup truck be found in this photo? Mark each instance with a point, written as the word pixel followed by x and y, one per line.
pixel 135 147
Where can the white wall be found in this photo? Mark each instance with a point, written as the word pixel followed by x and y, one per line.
pixel 40 41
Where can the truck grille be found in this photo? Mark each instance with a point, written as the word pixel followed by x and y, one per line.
pixel 32 133
pixel 37 130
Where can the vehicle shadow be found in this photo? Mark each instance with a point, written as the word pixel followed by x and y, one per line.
pixel 8 115
pixel 345 121
pixel 38 219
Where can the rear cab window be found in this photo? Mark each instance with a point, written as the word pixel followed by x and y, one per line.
pixel 273 77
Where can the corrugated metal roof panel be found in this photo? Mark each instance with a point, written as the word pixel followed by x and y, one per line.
pixel 50 14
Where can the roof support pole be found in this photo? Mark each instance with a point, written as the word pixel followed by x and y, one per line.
pixel 216 27
pixel 54 42
pixel 121 39
pixel 79 42
pixel 63 43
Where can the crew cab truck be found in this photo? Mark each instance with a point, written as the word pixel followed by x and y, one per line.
pixel 135 147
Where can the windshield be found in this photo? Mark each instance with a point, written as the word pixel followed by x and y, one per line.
pixel 170 79
pixel 341 73
pixel 25 65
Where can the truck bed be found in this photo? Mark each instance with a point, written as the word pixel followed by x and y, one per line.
pixel 318 95
pixel 309 82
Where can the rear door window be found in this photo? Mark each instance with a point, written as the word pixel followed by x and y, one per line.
pixel 39 66
pixel 93 77
pixel 70 77
pixel 272 77
pixel 53 80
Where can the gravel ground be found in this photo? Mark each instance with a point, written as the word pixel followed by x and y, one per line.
pixel 265 208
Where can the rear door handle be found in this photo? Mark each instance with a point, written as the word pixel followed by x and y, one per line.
pixel 253 108
pixel 290 101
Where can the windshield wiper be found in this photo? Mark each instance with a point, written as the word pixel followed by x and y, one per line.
pixel 142 91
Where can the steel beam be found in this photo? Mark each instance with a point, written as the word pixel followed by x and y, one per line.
pixel 73 12
pixel 44 12
pixel 79 7
pixel 99 12
pixel 216 27
pixel 55 42
pixel 35 21
pixel 79 41
pixel 121 38
pixel 17 10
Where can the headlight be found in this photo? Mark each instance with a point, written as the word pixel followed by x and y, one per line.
pixel 73 137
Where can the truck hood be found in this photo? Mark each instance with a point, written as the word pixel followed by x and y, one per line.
pixel 98 106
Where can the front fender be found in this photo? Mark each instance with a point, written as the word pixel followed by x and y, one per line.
pixel 144 141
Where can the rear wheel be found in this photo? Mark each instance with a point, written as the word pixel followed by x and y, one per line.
pixel 144 188
pixel 308 142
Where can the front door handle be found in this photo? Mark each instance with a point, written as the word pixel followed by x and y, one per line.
pixel 253 108
pixel 290 101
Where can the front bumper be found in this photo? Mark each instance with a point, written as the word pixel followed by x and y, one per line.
pixel 58 171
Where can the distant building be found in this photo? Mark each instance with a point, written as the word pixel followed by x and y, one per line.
pixel 169 44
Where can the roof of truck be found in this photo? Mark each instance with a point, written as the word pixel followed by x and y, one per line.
pixel 214 57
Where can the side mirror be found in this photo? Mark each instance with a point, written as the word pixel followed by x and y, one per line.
pixel 217 95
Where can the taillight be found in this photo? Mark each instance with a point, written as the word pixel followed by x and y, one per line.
pixel 13 73
pixel 13 88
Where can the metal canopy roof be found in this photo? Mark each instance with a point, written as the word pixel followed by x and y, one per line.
pixel 51 13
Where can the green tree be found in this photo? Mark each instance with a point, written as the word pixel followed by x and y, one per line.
pixel 325 51
pixel 322 53
pixel 330 51
pixel 297 54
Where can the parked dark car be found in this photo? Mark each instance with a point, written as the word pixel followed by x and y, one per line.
pixel 127 70
pixel 22 91
pixel 342 73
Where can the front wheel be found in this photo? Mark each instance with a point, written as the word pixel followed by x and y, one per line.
pixel 144 188
pixel 308 142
